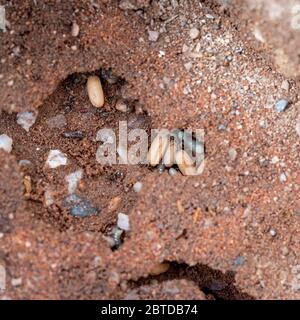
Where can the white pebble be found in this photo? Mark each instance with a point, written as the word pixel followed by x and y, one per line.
pixel 185 48
pixel 285 85
pixel 194 33
pixel 258 35
pixel 188 66
pixel 73 179
pixel 137 187
pixel 298 127
pixel 172 172
pixel 5 143
pixel 123 222
pixel 48 198
pixel 281 105
pixel 273 232
pixel 56 158
pixel 26 119
pixel 283 177
pixel 16 282
pixel 127 5
pixel 274 160
pixel 232 153
pixel 153 35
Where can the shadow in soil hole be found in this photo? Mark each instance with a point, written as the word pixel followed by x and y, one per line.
pixel 212 282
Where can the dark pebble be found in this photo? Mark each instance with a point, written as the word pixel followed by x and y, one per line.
pixel 217 285
pixel 161 168
pixel 239 261
pixel 74 134
pixel 101 113
pixel 222 127
pixel 80 207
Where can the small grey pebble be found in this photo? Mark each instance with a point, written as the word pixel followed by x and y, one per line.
pixel 137 187
pixel 239 261
pixel 183 22
pixel 185 48
pixel 161 168
pixel 194 33
pixel 80 207
pixel 153 35
pixel 232 153
pixel 273 232
pixel 123 222
pixel 172 172
pixel 295 286
pixel 285 85
pixel 171 289
pixel 83 209
pixel 74 134
pixel 102 113
pixel 282 177
pixel 229 58
pixel 285 251
pixel 127 5
pixel 16 282
pixel 188 66
pixel 222 127
pixel 281 105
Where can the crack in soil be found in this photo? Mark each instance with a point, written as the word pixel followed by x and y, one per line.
pixel 212 282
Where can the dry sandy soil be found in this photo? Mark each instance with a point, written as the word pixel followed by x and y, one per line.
pixel 231 232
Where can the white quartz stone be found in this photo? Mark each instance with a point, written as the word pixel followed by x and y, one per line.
pixel 73 180
pixel 5 143
pixel 26 119
pixel 56 158
pixel 123 222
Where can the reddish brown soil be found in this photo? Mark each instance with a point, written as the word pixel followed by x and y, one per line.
pixel 230 233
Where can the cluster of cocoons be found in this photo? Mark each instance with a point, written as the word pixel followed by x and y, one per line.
pixel 168 152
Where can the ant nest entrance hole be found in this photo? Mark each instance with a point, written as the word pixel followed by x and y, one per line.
pixel 62 148
pixel 65 186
